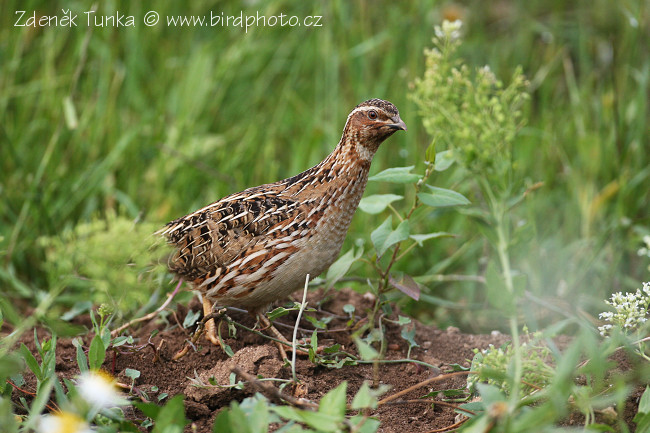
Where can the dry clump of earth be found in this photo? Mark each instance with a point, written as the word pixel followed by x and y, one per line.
pixel 258 356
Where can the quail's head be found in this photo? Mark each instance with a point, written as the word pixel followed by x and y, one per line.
pixel 372 122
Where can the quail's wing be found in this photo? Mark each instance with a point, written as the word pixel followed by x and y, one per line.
pixel 217 234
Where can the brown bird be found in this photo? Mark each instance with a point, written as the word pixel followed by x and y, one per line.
pixel 257 246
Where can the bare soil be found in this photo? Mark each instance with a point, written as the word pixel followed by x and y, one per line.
pixel 258 356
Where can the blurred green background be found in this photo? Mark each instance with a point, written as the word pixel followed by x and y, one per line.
pixel 106 133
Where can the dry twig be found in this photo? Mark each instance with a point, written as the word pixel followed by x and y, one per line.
pixel 271 391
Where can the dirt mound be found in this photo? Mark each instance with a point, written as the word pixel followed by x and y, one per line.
pixel 195 375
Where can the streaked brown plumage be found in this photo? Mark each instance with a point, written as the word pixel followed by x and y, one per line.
pixel 254 247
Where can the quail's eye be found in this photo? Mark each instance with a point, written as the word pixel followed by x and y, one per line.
pixel 372 114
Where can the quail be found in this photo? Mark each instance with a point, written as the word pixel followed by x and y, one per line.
pixel 257 246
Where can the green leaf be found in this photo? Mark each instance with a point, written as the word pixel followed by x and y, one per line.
pixel 78 308
pixel 278 312
pixel 31 361
pixel 642 421
pixel 444 160
pixel 82 361
pixel 61 327
pixel 478 424
pixel 39 348
pixel 381 233
pixel 119 341
pixel 441 197
pixel 409 336
pixel 313 346
pixel 39 403
pixel 320 324
pixel 396 175
pixel 474 406
pixel 364 399
pixel 642 418
pixel 287 412
pixel 458 367
pixel 106 337
pixel 227 349
pixel 383 237
pixel 602 427
pixel 334 402
pixel 10 364
pixel 644 403
pixel 319 421
pixel 366 351
pixel 131 373
pixel 430 154
pixel 400 234
pixel 49 357
pixel 341 266
pixel 17 379
pixel 403 320
pixel 331 349
pixel 190 318
pixel 96 353
pixel 238 419
pixel 171 418
pixel 127 426
pixel 251 415
pixel 222 422
pixel 370 425
pixel 490 394
pixel 377 203
pixel 419 239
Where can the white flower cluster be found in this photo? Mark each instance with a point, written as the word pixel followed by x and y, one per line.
pixel 62 422
pixel 630 310
pixel 449 30
pixel 97 388
pixel 97 391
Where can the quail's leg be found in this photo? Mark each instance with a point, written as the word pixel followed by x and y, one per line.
pixel 268 325
pixel 210 328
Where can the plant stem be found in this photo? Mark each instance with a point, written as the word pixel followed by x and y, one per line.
pixel 303 304
pixel 498 210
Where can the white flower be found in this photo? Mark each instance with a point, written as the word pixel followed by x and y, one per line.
pixel 645 250
pixel 62 422
pixel 98 389
pixel 631 310
pixel 449 30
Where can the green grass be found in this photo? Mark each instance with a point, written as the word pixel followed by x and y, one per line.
pixel 153 122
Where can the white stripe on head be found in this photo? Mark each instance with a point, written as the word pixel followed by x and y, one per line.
pixel 364 109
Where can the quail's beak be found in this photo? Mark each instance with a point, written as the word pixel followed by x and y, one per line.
pixel 397 123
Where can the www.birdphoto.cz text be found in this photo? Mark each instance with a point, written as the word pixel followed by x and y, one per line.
pixel 152 18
